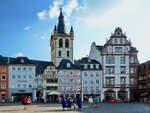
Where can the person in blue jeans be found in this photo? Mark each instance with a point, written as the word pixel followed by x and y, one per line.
pixel 79 103
pixel 63 103
pixel 69 103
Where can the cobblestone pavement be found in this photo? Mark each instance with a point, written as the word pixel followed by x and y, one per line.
pixel 56 108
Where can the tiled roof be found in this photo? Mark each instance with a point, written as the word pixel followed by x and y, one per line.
pixel 41 65
pixel 64 62
pixel 133 49
pixel 21 60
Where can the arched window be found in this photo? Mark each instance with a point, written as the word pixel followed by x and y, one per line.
pixel 67 43
pixel 60 43
pixel 59 54
pixel 68 54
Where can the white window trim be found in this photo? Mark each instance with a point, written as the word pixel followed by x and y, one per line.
pixel 2 85
pixel 2 77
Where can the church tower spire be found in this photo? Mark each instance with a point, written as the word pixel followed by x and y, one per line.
pixel 61 25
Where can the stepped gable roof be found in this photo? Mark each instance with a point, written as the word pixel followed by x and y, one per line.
pixel 41 65
pixel 21 60
pixel 88 61
pixel 67 64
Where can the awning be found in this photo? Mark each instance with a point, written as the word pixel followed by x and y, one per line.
pixel 54 93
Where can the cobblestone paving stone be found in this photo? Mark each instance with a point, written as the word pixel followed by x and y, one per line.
pixel 100 108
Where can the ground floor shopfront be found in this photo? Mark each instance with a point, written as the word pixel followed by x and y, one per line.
pixel 3 96
pixel 122 95
pixel 17 95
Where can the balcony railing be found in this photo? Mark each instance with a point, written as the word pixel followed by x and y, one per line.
pixel 118 85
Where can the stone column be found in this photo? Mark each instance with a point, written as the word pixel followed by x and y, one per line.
pixel 44 95
pixel 102 96
pixel 34 95
pixel 129 95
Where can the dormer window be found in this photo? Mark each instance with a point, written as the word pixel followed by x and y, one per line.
pixel 97 66
pixel 85 66
pixel 68 65
pixel 115 41
pixel 89 60
pixel 121 41
pixel 22 60
pixel 91 66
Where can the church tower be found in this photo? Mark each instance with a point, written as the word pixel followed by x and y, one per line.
pixel 61 43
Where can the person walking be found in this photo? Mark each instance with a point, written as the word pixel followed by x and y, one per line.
pixel 25 102
pixel 79 103
pixel 69 103
pixel 29 102
pixel 63 103
pixel 91 101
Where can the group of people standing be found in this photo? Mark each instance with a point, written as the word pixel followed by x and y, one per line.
pixel 69 102
pixel 27 102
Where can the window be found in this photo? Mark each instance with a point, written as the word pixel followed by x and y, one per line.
pixel 59 80
pixel 121 41
pixel 109 69
pixel 65 73
pixel 19 68
pixel 86 88
pixel 24 85
pixel 30 68
pixel 92 82
pixel 115 41
pixel 60 88
pixel 71 73
pixel 78 80
pixel 131 70
pixel 110 81
pixel 3 85
pixel 122 80
pixel 65 80
pixel 13 68
pixel 122 69
pixel 97 81
pixel 97 88
pixel 97 66
pixel 118 50
pixel 85 74
pixel 110 60
pixel 131 59
pixel 122 60
pixel 85 66
pixel 97 74
pixel 71 88
pixel 13 77
pixel 64 88
pixel 3 77
pixel 3 69
pixel 67 43
pixel 19 85
pixel 132 81
pixel 60 43
pixel 24 76
pixel 68 65
pixel 68 54
pixel 30 76
pixel 92 75
pixel 59 53
pixel 109 49
pixel 19 76
pixel 71 80
pixel 149 75
pixel 86 81
pixel 24 68
pixel 91 66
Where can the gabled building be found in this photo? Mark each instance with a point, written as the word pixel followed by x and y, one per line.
pixel 69 79
pixel 119 62
pixel 21 77
pixel 61 43
pixel 51 83
pixel 144 81
pixel 4 79
pixel 91 77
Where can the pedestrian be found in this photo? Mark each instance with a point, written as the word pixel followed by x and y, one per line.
pixel 91 101
pixel 74 103
pixel 69 104
pixel 96 101
pixel 79 103
pixel 63 103
pixel 25 102
pixel 29 102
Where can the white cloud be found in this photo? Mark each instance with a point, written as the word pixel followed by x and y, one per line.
pixel 19 54
pixel 27 28
pixel 54 10
pixel 42 15
pixel 43 37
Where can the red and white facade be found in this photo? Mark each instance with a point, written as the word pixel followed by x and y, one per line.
pixel 119 62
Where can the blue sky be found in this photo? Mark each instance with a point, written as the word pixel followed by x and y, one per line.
pixel 26 25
